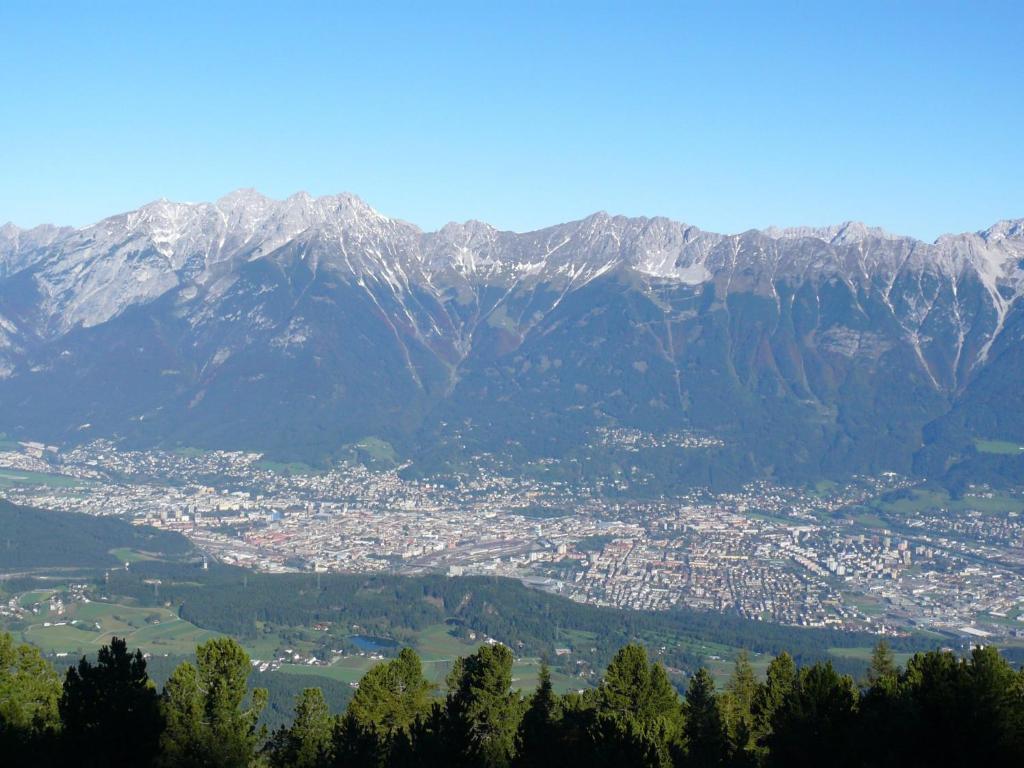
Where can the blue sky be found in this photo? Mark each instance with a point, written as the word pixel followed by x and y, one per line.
pixel 725 115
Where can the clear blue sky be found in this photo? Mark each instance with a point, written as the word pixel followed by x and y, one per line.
pixel 725 115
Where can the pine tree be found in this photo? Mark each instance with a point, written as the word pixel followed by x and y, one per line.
pixel 29 692
pixel 481 712
pixel 882 668
pixel 110 710
pixel 638 715
pixel 633 688
pixel 390 699
pixel 706 739
pixel 993 687
pixel 537 742
pixel 738 710
pixel 306 743
pixel 814 724
pixel 779 682
pixel 202 704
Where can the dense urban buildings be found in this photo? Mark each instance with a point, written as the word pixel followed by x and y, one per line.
pixel 875 554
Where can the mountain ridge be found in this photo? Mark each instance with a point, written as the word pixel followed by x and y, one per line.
pixel 350 323
pixel 253 196
pixel 198 238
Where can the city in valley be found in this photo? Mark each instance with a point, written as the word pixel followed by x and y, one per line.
pixel 877 553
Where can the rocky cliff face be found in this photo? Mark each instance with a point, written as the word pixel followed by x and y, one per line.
pixel 298 326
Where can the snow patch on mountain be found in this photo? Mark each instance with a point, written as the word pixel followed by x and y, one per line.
pixel 89 276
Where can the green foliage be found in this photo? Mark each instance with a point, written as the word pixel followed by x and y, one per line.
pixel 232 601
pixel 637 709
pixel 35 538
pixel 537 740
pixel 707 742
pixel 780 680
pixel 737 705
pixel 392 697
pixel 307 742
pixel 633 688
pixel 882 670
pixel 110 710
pixel 206 724
pixel 482 713
pixel 814 725
pixel 946 710
pixel 29 692
pixel 942 710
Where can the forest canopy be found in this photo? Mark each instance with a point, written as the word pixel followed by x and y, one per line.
pixel 941 709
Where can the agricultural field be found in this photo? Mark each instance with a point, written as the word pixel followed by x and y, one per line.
pixel 863 654
pixel 998 447
pixel 924 500
pixel 11 477
pixel 128 555
pixel 525 672
pixel 85 626
pixel 286 468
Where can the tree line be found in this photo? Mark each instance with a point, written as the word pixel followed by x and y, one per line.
pixel 236 602
pixel 940 710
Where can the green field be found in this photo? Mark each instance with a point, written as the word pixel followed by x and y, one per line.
pixel 869 520
pixel 291 468
pixel 379 450
pixel 438 650
pixel 868 604
pixel 436 643
pixel 127 555
pixel 350 669
pixel 10 477
pixel 155 630
pixel 923 500
pixel 998 446
pixel 160 631
pixel 864 654
pixel 29 599
pixel 721 669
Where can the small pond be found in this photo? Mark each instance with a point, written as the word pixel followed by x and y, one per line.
pixel 370 643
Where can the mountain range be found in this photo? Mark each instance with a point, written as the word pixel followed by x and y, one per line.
pixel 302 327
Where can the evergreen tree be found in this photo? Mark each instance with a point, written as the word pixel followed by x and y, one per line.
pixel 390 699
pixel 814 725
pixel 181 744
pixel 206 725
pixel 29 692
pixel 427 744
pixel 481 712
pixel 707 743
pixel 882 670
pixel 885 722
pixel 992 687
pixel 576 722
pixel 635 689
pixel 941 710
pixel 614 742
pixel 638 715
pixel 779 682
pixel 932 689
pixel 537 742
pixel 307 742
pixel 110 710
pixel 738 711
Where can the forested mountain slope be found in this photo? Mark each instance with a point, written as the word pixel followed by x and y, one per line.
pixel 300 326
